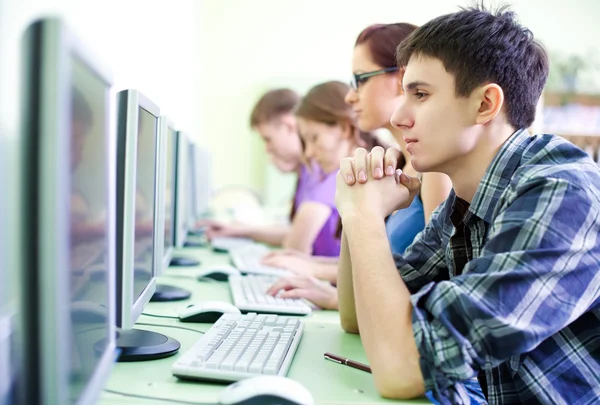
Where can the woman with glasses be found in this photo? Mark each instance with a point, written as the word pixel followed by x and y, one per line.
pixel 375 93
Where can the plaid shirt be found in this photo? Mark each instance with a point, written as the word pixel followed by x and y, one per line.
pixel 516 292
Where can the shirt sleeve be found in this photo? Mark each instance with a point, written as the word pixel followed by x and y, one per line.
pixel 423 260
pixel 536 274
pixel 323 192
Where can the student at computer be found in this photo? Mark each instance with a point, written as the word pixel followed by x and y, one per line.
pixel 503 283
pixel 328 130
pixel 273 118
pixel 375 93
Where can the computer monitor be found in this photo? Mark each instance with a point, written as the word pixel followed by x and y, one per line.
pixel 201 163
pixel 167 180
pixel 67 218
pixel 186 209
pixel 7 359
pixel 175 163
pixel 7 370
pixel 138 227
pixel 182 187
pixel 165 211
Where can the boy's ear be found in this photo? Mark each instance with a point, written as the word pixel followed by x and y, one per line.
pixel 346 130
pixel 489 100
pixel 400 90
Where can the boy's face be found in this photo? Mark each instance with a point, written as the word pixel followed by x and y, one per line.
pixel 438 126
pixel 282 142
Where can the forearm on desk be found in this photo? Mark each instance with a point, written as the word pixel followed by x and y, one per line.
pixel 272 235
pixel 345 290
pixel 383 310
pixel 327 271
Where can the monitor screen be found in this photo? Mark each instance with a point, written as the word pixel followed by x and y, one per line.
pixel 191 186
pixel 88 222
pixel 182 185
pixel 170 190
pixel 144 201
pixel 202 171
pixel 67 200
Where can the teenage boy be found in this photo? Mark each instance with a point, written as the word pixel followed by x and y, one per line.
pixel 504 282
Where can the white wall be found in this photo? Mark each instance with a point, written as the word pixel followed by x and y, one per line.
pixel 205 62
pixel 249 46
pixel 148 44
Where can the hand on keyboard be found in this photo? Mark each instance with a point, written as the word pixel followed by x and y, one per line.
pixel 249 294
pixel 320 293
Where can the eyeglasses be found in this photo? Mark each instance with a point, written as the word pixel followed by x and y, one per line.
pixel 361 78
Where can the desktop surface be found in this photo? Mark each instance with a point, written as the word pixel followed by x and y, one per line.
pixel 329 383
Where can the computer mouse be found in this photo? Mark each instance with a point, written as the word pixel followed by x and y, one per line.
pixel 207 311
pixel 266 390
pixel 220 272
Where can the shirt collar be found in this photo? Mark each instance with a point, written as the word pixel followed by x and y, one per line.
pixel 498 175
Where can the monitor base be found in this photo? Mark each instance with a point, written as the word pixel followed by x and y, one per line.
pixel 142 345
pixel 184 262
pixel 165 293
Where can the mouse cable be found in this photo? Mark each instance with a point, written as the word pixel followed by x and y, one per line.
pixel 165 400
pixel 160 316
pixel 169 326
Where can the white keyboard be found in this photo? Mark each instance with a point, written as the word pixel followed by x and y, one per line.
pixel 248 293
pixel 226 243
pixel 242 346
pixel 248 260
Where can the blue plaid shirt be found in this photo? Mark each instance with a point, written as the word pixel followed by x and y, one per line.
pixel 516 292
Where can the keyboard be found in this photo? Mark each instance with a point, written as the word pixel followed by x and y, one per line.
pixel 248 293
pixel 242 346
pixel 248 260
pixel 226 244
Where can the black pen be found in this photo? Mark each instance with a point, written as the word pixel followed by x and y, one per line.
pixel 350 363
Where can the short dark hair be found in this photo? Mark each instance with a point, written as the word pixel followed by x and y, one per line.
pixel 273 104
pixel 478 46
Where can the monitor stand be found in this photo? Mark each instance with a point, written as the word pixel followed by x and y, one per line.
pixel 142 345
pixel 184 262
pixel 165 293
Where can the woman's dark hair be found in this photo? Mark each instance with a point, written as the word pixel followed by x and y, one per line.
pixel 382 41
